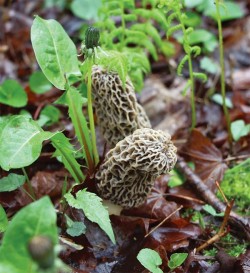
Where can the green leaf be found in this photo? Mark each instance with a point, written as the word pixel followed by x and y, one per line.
pixel 21 142
pixel 38 218
pixel 54 50
pixel 39 83
pixel 12 93
pixel 93 209
pixel 192 3
pixel 239 129
pixel 177 259
pixel 3 220
pixel 150 259
pixel 51 113
pixel 75 102
pixel 114 61
pixel 200 76
pixel 74 228
pixel 228 11
pixel 206 38
pixel 218 99
pixel 86 9
pixel 209 209
pixel 209 65
pixel 66 152
pixel 176 179
pixel 11 182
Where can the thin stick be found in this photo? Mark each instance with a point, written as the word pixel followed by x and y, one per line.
pixel 221 192
pixel 163 221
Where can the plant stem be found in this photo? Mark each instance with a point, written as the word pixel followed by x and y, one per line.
pixel 123 25
pixel 31 190
pixel 190 67
pixel 222 78
pixel 90 112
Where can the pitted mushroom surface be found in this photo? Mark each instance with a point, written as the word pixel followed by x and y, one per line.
pixel 131 167
pixel 117 110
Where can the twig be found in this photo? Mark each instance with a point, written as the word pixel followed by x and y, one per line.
pixel 222 231
pixel 163 221
pixel 242 223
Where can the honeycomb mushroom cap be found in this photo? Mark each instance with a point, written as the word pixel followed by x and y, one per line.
pixel 117 110
pixel 131 167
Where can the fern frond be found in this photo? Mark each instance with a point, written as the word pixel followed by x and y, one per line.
pixel 136 77
pixel 137 59
pixel 115 12
pixel 145 43
pixel 187 86
pixel 200 76
pixel 171 30
pixel 171 17
pixel 160 18
pixel 153 3
pixel 150 30
pixel 130 17
pixel 196 50
pixel 143 13
pixel 128 4
pixel 181 65
pixel 114 61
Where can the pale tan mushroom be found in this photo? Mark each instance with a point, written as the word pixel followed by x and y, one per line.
pixel 129 170
pixel 117 110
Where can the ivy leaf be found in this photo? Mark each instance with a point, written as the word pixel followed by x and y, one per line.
pixel 93 209
pixel 54 50
pixel 13 94
pixel 20 142
pixel 38 218
pixel 11 182
pixel 150 259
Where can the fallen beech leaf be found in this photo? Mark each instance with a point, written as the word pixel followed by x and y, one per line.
pixel 209 165
pixel 173 236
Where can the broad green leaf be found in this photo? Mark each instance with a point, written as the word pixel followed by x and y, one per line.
pixel 3 220
pixel 93 209
pixel 39 84
pixel 51 113
pixel 66 152
pixel 54 50
pixel 150 259
pixel 12 93
pixel 228 11
pixel 86 9
pixel 192 3
pixel 218 99
pixel 11 182
pixel 38 218
pixel 21 142
pixel 208 39
pixel 209 65
pixel 239 129
pixel 177 259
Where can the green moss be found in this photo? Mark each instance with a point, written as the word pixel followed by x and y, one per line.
pixel 236 185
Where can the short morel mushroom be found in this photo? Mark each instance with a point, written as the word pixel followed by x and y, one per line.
pixel 131 167
pixel 118 112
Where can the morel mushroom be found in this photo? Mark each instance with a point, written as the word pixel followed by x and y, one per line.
pixel 117 110
pixel 131 167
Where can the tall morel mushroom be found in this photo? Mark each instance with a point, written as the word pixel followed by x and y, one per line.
pixel 131 167
pixel 118 112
